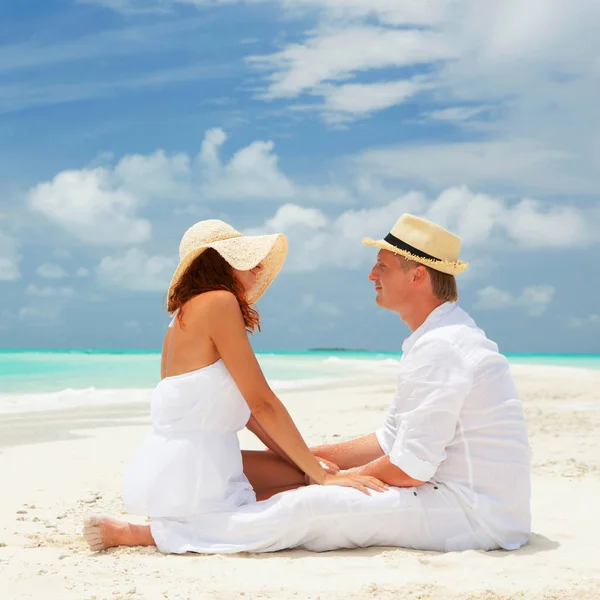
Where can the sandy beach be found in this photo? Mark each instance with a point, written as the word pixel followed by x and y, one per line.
pixel 58 466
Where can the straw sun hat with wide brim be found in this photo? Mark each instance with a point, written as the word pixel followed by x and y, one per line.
pixel 242 252
pixel 424 242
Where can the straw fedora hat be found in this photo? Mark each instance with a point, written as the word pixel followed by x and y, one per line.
pixel 424 242
pixel 242 252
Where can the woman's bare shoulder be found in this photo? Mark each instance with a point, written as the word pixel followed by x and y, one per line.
pixel 211 303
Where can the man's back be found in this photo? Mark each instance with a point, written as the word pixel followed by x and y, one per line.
pixel 488 461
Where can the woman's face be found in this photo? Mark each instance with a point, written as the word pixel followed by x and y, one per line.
pixel 248 278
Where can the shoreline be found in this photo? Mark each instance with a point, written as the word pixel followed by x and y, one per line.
pixel 12 403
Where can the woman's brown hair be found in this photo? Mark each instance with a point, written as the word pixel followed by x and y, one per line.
pixel 207 273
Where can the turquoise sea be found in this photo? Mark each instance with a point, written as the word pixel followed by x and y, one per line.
pixel 29 378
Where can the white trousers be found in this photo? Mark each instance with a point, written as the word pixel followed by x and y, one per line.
pixel 319 518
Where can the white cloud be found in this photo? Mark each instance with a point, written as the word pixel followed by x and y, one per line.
pixel 418 12
pixel 9 271
pixel 530 62
pixel 61 254
pixel 101 206
pixel 319 306
pixel 9 258
pixel 592 320
pixel 391 12
pixel 491 298
pixel 136 271
pixel 51 271
pixel 483 222
pixel 154 176
pixel 132 7
pixel 252 172
pixel 457 113
pixel 560 226
pixel 135 325
pixel 46 304
pixel 534 299
pixel 40 314
pixel 345 102
pixel 318 241
pixel 88 205
pixel 336 54
pixel 500 164
pixel 49 291
pixel 292 215
pixel 21 96
pixel 530 224
pixel 82 272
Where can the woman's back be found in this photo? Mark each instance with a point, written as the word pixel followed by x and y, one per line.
pixel 187 344
pixel 191 462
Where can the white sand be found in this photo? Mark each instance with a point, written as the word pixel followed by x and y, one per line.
pixel 56 467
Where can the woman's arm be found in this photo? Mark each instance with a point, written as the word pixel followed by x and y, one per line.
pixel 227 330
pixel 255 427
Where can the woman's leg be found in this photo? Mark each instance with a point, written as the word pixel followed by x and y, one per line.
pixel 102 533
pixel 268 474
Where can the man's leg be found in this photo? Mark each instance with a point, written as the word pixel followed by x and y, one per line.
pixel 269 475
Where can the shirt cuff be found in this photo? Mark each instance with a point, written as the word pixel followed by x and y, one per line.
pixel 414 467
pixel 380 434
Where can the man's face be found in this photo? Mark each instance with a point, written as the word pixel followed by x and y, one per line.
pixel 392 282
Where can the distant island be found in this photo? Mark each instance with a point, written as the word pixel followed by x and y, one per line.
pixel 337 350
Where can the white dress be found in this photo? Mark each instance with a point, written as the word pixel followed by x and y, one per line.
pixel 187 476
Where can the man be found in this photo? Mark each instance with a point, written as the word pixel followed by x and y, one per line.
pixel 455 423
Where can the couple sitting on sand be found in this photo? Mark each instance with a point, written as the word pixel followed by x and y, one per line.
pixel 448 470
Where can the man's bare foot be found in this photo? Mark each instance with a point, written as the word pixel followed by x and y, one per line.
pixel 102 532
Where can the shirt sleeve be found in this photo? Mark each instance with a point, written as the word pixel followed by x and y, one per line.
pixel 434 384
pixel 386 434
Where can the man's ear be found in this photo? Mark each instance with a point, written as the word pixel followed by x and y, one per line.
pixel 419 274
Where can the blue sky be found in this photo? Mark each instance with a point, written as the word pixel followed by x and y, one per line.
pixel 123 122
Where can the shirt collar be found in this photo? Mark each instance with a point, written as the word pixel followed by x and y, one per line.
pixel 431 322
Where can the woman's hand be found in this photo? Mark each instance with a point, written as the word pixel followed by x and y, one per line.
pixel 329 468
pixel 363 483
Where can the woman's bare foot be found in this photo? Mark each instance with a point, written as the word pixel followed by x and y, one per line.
pixel 102 532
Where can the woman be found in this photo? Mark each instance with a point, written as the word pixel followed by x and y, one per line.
pixel 188 476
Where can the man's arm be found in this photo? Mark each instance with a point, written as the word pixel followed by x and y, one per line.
pixel 352 453
pixel 435 382
pixel 383 469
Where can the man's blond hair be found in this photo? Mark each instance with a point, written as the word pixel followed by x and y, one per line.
pixel 443 285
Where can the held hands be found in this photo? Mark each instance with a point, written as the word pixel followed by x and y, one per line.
pixel 329 468
pixel 333 476
pixel 363 483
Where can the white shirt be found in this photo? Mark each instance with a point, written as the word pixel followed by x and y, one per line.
pixel 456 420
